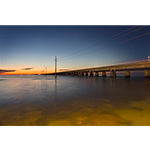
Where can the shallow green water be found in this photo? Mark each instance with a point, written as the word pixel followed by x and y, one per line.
pixel 76 101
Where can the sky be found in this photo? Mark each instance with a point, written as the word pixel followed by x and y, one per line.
pixel 32 49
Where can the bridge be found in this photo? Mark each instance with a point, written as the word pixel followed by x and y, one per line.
pixel 112 69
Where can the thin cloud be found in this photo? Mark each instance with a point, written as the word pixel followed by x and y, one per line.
pixel 27 68
pixel 3 70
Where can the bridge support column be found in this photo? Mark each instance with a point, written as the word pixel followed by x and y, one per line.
pixel 112 73
pixel 147 74
pixel 76 73
pixel 127 74
pixel 79 74
pixel 66 74
pixel 91 73
pixel 104 74
pixel 72 73
pixel 86 73
pixel 96 74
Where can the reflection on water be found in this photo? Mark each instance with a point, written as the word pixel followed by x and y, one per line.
pixel 79 101
pixel 56 89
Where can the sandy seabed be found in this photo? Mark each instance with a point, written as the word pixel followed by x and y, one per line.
pixel 77 113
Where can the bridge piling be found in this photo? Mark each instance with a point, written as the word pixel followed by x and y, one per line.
pixel 80 74
pixel 127 74
pixel 76 73
pixel 91 73
pixel 96 74
pixel 147 74
pixel 112 73
pixel 104 74
pixel 72 73
pixel 86 73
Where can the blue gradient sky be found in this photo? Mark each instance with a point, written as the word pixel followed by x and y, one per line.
pixel 36 46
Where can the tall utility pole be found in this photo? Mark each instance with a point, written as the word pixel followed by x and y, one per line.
pixel 55 66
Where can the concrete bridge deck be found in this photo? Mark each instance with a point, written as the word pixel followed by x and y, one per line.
pixel 112 69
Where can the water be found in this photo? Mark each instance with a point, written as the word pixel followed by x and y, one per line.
pixel 30 100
